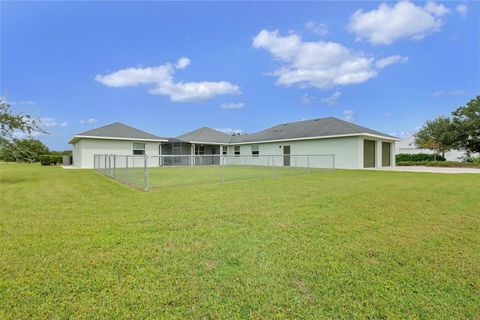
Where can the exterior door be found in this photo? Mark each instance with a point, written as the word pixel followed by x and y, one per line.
pixel 368 154
pixel 286 156
pixel 386 161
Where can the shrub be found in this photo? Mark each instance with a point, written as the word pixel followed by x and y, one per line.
pixel 418 157
pixel 48 159
pixel 450 164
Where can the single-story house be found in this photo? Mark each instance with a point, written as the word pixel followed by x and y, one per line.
pixel 354 146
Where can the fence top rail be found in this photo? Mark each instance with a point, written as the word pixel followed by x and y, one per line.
pixel 213 155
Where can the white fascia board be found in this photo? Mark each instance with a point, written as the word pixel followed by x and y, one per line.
pixel 210 143
pixel 321 137
pixel 75 138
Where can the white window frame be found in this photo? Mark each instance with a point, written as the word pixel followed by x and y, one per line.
pixel 235 152
pixel 136 147
pixel 255 153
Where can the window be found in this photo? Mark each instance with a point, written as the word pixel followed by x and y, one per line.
pixel 255 150
pixel 237 151
pixel 199 150
pixel 139 148
pixel 224 150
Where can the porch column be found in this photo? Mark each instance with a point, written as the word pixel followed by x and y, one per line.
pixel 393 161
pixel 192 153
pixel 378 153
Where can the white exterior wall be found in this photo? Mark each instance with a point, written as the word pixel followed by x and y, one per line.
pixel 346 152
pixel 85 149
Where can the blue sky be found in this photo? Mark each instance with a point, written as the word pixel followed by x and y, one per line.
pixel 168 68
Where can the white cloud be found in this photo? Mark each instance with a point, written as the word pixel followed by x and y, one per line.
pixel 306 98
pixel 194 91
pixel 316 28
pixel 437 10
pixel 232 105
pixel 161 78
pixel 348 115
pixel 462 9
pixel 230 131
pixel 52 122
pixel 182 63
pixel 387 24
pixel 17 134
pixel 314 64
pixel 333 99
pixel 440 93
pixel 89 121
pixel 137 76
pixel 382 63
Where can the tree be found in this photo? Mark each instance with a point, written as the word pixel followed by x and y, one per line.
pixel 23 150
pixel 467 123
pixel 11 122
pixel 438 135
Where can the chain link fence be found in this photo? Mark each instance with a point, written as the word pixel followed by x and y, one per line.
pixel 146 172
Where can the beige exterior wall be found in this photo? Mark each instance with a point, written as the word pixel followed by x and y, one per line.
pixel 85 149
pixel 346 150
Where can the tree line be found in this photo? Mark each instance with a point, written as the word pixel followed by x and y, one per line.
pixel 460 131
pixel 13 149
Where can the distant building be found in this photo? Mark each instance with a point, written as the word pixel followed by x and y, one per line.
pixel 407 145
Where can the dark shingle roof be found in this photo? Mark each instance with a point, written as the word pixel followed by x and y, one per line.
pixel 322 127
pixel 205 135
pixel 307 129
pixel 119 130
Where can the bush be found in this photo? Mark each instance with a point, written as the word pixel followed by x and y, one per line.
pixel 418 157
pixel 476 160
pixel 449 164
pixel 22 150
pixel 48 159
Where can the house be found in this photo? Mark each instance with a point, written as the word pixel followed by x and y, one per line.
pixel 408 145
pixel 353 146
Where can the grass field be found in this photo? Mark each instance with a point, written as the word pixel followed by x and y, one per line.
pixel 331 244
pixel 161 177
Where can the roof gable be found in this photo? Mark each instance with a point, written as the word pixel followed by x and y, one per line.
pixel 118 130
pixel 205 135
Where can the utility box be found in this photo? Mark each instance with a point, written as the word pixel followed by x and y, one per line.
pixel 67 160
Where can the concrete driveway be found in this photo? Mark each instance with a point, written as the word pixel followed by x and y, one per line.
pixel 430 169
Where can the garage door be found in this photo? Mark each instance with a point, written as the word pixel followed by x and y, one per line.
pixel 386 161
pixel 368 154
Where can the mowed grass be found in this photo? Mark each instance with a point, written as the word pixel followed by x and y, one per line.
pixel 161 177
pixel 331 244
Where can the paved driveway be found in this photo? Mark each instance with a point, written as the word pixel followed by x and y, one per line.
pixel 430 169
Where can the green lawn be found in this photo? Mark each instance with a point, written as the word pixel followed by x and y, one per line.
pixel 331 244
pixel 161 177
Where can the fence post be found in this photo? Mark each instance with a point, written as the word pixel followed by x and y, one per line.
pixel 105 167
pixel 308 163
pixel 114 165
pixel 334 161
pixel 273 166
pixel 145 174
pixel 223 168
pixel 126 169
